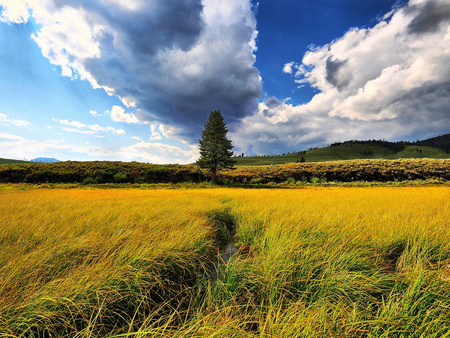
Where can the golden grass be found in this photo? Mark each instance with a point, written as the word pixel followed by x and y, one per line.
pixel 312 262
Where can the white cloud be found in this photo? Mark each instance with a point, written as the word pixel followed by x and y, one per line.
pixel 66 122
pixel 288 68
pixel 91 128
pixel 155 135
pixel 93 113
pixel 15 11
pixel 78 131
pixel 118 115
pixel 156 152
pixel 169 132
pixel 391 81
pixel 19 123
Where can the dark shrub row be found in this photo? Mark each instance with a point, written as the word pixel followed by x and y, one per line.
pixel 344 171
pixel 98 172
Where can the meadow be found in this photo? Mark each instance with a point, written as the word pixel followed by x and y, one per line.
pixel 312 262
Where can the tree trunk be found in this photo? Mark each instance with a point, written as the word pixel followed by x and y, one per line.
pixel 214 175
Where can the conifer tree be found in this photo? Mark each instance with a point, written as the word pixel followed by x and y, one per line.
pixel 215 148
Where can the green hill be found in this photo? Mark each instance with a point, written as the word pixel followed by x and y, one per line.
pixel 441 142
pixel 348 151
pixel 419 152
pixel 7 161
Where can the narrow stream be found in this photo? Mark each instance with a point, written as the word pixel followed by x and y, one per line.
pixel 225 222
pixel 224 255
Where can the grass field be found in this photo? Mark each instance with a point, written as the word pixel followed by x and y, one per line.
pixel 312 262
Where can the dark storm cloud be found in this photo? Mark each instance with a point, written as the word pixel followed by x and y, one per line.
pixel 155 25
pixel 427 105
pixel 175 61
pixel 429 17
pixel 336 73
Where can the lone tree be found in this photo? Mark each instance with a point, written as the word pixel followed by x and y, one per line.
pixel 215 147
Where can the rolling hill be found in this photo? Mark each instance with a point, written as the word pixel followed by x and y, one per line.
pixel 7 161
pixel 437 147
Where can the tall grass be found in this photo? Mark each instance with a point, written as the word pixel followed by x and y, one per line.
pixel 93 262
pixel 369 261
pixel 312 262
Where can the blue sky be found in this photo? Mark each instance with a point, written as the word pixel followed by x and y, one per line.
pixel 136 80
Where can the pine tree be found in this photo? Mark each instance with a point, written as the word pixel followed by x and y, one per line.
pixel 215 148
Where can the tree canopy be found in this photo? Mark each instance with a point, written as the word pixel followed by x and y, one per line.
pixel 215 148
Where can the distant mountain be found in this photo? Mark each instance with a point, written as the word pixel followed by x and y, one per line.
pixel 44 160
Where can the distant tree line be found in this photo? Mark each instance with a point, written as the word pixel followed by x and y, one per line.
pixel 440 142
pixel 394 146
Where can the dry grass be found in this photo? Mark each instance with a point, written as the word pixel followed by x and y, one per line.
pixel 312 262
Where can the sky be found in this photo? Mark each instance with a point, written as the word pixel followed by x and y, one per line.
pixel 136 80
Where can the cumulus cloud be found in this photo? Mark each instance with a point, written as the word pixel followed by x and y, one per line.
pixel 288 67
pixel 391 81
pixel 174 61
pixel 19 123
pixel 118 115
pixel 14 11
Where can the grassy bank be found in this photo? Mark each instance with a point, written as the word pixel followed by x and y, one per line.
pixel 311 262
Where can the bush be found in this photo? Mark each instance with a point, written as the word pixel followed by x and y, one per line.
pixel 221 181
pixel 256 181
pixel 290 180
pixel 90 180
pixel 318 180
pixel 120 178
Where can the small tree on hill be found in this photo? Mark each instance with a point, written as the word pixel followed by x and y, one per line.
pixel 215 148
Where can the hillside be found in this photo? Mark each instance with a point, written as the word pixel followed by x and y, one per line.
pixel 355 150
pixel 441 142
pixel 7 161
